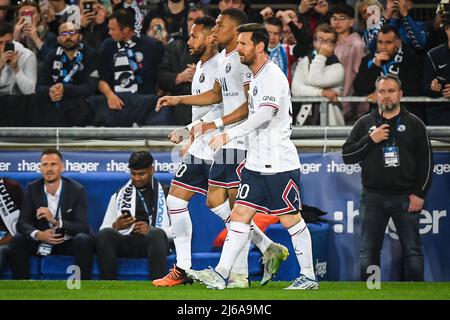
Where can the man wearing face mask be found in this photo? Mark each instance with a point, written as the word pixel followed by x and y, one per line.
pixel 394 151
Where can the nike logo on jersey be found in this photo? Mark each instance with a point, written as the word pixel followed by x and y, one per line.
pixel 442 66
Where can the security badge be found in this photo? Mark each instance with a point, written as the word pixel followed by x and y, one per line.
pixel 391 157
pixel 391 154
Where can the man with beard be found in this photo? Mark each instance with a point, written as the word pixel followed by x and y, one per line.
pixel 68 77
pixel 230 87
pixel 394 151
pixel 193 173
pixel 270 179
pixel 391 57
pixel 53 220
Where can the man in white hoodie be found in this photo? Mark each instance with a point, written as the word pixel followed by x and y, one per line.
pixel 320 74
pixel 18 65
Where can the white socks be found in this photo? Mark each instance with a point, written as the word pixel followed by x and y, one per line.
pixel 301 239
pixel 181 230
pixel 241 264
pixel 238 234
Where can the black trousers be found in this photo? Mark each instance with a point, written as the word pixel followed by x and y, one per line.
pixel 82 247
pixel 375 210
pixel 111 244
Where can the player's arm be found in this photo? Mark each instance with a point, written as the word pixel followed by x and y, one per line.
pixel 203 99
pixel 238 114
pixel 263 115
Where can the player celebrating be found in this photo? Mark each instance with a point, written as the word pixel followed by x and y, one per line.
pixel 230 86
pixel 270 179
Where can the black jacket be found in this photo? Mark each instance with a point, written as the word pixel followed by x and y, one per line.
pixel 73 202
pixel 437 64
pixel 416 163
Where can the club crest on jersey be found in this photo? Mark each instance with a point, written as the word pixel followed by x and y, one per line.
pixel 139 57
pixel 202 78
pixel 228 68
pixel 255 91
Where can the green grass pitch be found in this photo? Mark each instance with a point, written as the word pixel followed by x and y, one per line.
pixel 143 290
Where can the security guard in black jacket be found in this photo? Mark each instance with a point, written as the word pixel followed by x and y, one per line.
pixel 394 150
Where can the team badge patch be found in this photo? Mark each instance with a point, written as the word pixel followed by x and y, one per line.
pixel 255 91
pixel 228 68
pixel 401 128
pixel 139 57
pixel 202 78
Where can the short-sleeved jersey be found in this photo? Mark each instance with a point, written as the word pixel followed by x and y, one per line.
pixel 232 76
pixel 203 80
pixel 270 147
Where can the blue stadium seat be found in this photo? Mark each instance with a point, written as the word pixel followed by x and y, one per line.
pixel 35 270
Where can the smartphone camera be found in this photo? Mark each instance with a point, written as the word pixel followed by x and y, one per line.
pixel 9 47
pixel 60 231
pixel 28 16
pixel 127 213
pixel 88 6
pixel 442 81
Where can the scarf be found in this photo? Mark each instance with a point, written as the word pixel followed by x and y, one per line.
pixel 61 63
pixel 392 66
pixel 126 67
pixel 9 212
pixel 138 17
pixel 126 200
pixel 279 57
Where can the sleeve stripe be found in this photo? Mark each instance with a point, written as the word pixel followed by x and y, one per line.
pixel 269 105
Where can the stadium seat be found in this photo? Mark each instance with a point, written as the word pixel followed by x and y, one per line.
pixel 35 270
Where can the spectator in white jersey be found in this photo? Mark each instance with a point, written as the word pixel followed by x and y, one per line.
pixel 270 179
pixel 230 87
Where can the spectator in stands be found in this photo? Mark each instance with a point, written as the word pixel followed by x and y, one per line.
pixel 127 70
pixel 391 57
pixel 366 9
pixel 277 53
pixel 314 12
pixel 395 154
pixel 412 33
pixel 53 220
pixel 4 13
pixel 156 28
pixel 436 81
pixel 18 65
pixel 243 5
pixel 68 77
pixel 138 16
pixel 320 74
pixel 177 69
pixel 59 11
pixel 436 33
pixel 175 13
pixel 11 197
pixel 31 30
pixel 350 50
pixel 93 22
pixel 136 222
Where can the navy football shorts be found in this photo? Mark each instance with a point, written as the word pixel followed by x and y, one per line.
pixel 193 174
pixel 226 168
pixel 275 194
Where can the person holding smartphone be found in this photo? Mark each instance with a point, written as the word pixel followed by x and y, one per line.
pixel 436 80
pixel 53 220
pixel 93 22
pixel 136 222
pixel 18 65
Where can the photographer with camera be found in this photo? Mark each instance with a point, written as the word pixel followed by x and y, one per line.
pixel 93 22
pixel 18 65
pixel 53 220
pixel 136 222
pixel 436 76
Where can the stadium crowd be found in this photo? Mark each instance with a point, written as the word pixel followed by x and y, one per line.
pixel 105 63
